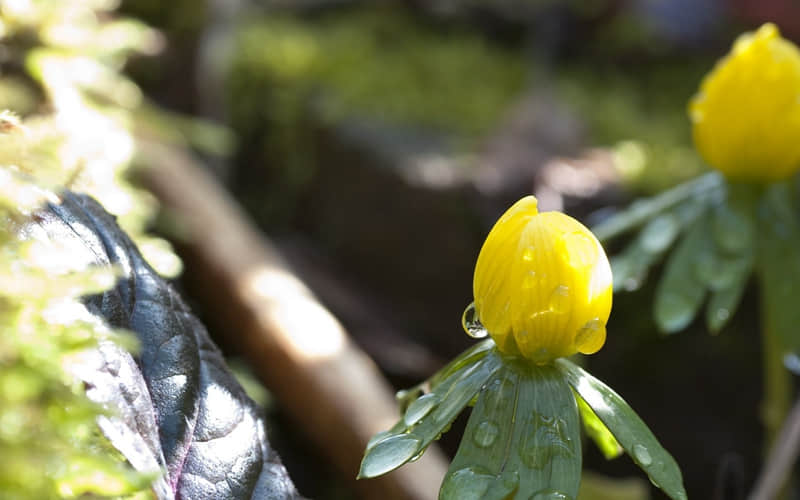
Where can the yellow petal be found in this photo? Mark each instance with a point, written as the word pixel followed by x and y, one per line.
pixel 746 115
pixel 542 285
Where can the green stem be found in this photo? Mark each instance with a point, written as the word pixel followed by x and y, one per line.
pixel 777 385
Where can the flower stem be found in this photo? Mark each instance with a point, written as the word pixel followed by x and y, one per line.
pixel 777 386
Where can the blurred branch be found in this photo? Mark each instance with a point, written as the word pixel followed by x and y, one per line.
pixel 781 458
pixel 329 386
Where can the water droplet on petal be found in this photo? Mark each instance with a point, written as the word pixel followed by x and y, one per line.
pixel 486 434
pixel 529 254
pixel 591 337
pixel 530 280
pixel 388 454
pixel 559 300
pixel 419 408
pixel 469 483
pixel 550 494
pixel 541 356
pixel 472 324
pixel 642 456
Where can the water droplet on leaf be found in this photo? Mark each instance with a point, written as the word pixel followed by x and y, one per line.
pixel 485 434
pixel 472 324
pixel 642 456
pixel 550 494
pixel 792 362
pixel 419 408
pixel 546 439
pixel 469 483
pixel 541 356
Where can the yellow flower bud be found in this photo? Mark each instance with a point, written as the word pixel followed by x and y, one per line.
pixel 542 285
pixel 746 116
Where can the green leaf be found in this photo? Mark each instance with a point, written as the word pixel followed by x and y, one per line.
pixel 633 434
pixel 643 210
pixel 631 267
pixel 597 431
pixel 522 440
pixel 679 294
pixel 724 301
pixel 407 396
pixel 430 415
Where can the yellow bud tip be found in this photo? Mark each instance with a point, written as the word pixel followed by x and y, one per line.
pixel 542 285
pixel 746 114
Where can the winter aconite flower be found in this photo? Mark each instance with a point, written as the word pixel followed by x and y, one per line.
pixel 746 115
pixel 542 285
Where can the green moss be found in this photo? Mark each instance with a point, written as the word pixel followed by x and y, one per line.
pixel 378 63
pixel 640 112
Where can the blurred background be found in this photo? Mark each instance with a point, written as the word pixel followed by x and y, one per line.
pixel 376 142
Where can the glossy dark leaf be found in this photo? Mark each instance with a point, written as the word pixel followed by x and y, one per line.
pixel 179 407
pixel 522 440
pixel 629 430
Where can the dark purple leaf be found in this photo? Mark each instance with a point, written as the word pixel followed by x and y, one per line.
pixel 177 406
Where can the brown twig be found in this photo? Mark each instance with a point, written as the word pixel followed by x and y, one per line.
pixel 781 458
pixel 301 352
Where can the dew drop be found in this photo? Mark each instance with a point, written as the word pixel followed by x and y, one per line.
pixel 530 280
pixel 550 494
pixel 722 314
pixel 388 454
pixel 472 324
pixel 591 336
pixel 541 356
pixel 559 300
pixel 486 434
pixel 642 456
pixel 529 254
pixel 419 408
pixel 792 362
pixel 469 483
